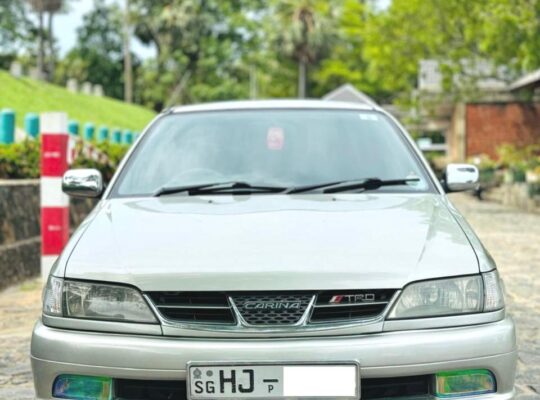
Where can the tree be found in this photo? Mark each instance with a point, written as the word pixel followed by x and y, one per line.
pixel 512 32
pixel 346 63
pixel 199 46
pixel 380 50
pixel 14 25
pixel 128 64
pixel 98 54
pixel 304 32
pixel 41 7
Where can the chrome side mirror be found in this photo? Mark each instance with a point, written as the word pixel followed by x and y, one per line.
pixel 82 183
pixel 460 177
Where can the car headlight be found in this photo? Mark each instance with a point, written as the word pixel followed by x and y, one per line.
pixel 445 297
pixel 75 299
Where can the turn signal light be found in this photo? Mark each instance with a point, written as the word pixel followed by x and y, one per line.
pixel 79 387
pixel 467 382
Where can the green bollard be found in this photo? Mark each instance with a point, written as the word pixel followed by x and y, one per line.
pixel 7 126
pixel 128 137
pixel 89 131
pixel 73 127
pixel 31 125
pixel 116 136
pixel 103 134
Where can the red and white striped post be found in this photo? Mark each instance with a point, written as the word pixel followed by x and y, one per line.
pixel 54 203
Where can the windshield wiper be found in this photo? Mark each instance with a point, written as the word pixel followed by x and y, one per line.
pixel 354 184
pixel 234 187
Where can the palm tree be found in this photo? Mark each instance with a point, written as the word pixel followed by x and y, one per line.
pixel 42 7
pixel 305 35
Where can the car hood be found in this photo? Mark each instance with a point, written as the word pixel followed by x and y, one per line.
pixel 261 242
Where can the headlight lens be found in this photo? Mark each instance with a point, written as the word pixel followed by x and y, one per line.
pixel 95 301
pixel 445 297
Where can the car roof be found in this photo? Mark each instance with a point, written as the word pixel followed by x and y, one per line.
pixel 272 104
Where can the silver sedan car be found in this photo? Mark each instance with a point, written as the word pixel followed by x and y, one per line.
pixel 274 250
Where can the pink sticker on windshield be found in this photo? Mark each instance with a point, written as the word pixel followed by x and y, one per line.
pixel 275 138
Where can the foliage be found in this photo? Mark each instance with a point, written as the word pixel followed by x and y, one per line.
pixel 26 95
pixel 518 160
pixel 114 152
pixel 198 43
pixel 216 50
pixel 20 160
pixel 303 31
pixel 379 50
pixel 15 26
pixel 98 54
pixel 519 157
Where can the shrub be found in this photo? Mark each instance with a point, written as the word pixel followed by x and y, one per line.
pixel 518 160
pixel 114 153
pixel 22 160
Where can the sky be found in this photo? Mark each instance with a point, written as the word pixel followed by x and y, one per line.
pixel 65 26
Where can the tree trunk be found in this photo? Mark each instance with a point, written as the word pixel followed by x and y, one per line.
pixel 51 63
pixel 128 70
pixel 302 77
pixel 41 50
pixel 252 82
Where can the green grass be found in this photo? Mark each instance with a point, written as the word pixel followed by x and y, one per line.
pixel 26 95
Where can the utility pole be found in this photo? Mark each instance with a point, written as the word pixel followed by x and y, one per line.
pixel 41 51
pixel 252 82
pixel 51 63
pixel 302 77
pixel 128 70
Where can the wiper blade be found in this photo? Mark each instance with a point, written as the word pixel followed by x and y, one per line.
pixel 368 184
pixel 179 189
pixel 355 184
pixel 235 187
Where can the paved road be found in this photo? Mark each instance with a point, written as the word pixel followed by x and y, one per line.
pixel 19 309
pixel 512 237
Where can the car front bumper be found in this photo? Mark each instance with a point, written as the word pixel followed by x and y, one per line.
pixel 390 354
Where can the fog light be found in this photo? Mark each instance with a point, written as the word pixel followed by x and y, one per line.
pixel 467 382
pixel 80 387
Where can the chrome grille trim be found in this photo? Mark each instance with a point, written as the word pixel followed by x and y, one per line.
pixel 211 308
pixel 373 303
pixel 328 312
pixel 302 320
pixel 304 328
pixel 197 307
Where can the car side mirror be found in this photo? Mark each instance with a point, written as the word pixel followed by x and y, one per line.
pixel 460 177
pixel 82 183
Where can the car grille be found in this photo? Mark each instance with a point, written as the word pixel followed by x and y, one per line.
pixel 334 306
pixel 373 388
pixel 193 307
pixel 272 308
pixel 277 309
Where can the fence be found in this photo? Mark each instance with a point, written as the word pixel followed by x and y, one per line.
pixel 8 128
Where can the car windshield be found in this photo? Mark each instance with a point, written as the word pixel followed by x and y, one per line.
pixel 281 148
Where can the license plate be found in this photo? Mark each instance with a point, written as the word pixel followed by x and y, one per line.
pixel 273 381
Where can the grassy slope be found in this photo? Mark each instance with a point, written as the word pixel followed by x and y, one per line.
pixel 26 95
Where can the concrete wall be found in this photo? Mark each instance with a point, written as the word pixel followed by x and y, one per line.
pixel 514 195
pixel 20 240
pixel 488 125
